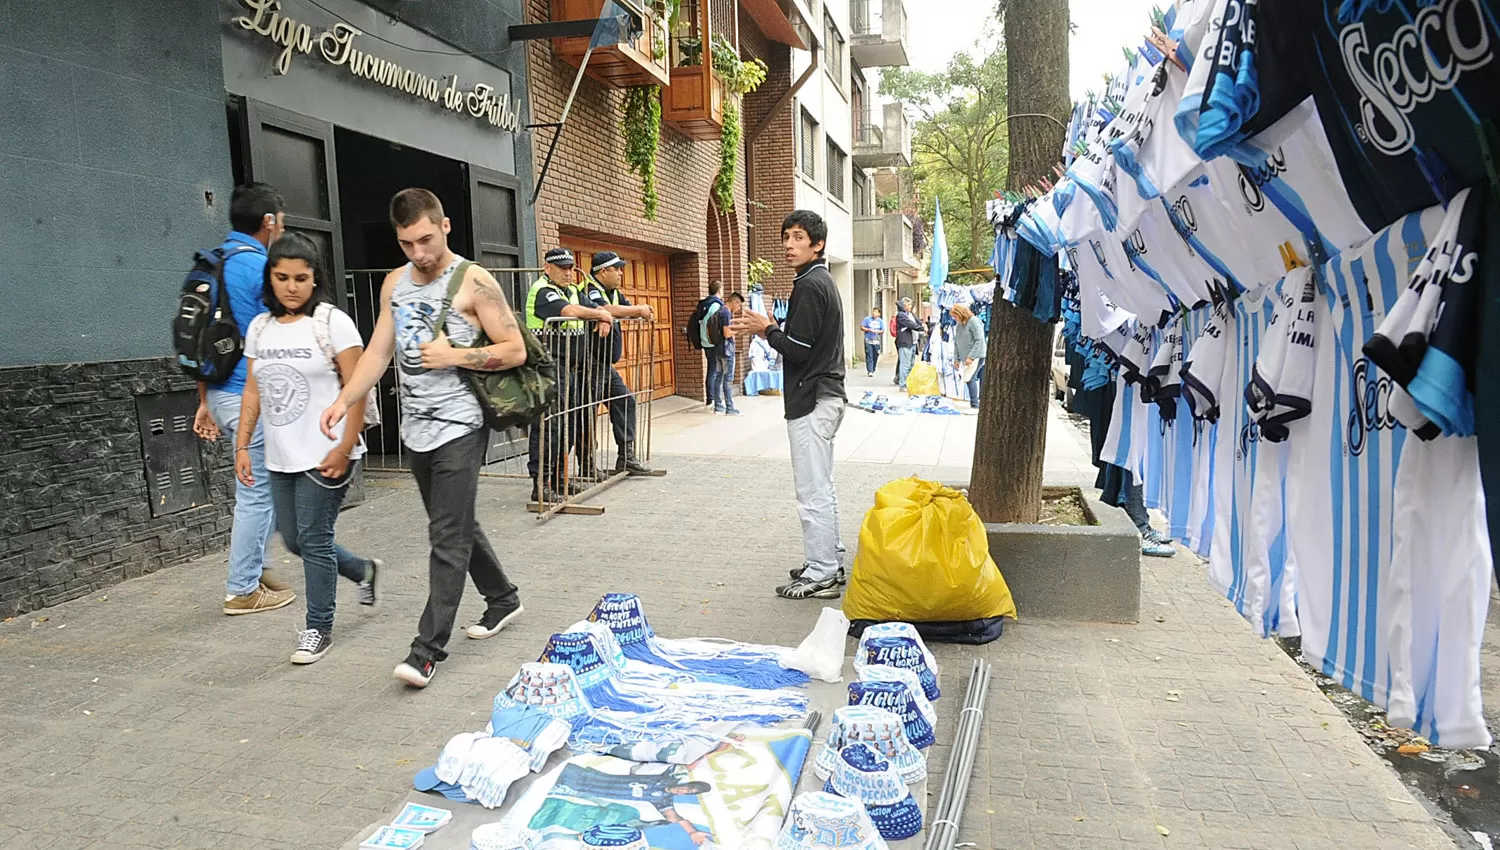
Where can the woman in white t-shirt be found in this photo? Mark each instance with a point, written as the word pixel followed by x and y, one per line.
pixel 296 353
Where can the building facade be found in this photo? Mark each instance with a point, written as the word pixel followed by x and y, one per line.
pixel 123 129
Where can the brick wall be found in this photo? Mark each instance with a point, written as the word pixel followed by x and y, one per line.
pixel 590 193
pixel 77 516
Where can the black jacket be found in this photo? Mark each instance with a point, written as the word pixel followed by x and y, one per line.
pixel 812 343
pixel 907 328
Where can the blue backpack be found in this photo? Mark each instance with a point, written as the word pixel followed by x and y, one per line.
pixel 205 335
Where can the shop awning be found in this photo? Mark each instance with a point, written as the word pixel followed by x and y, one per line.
pixel 772 21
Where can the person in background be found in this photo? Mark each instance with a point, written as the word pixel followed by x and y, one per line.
pixel 257 216
pixel 813 344
pixel 1153 542
pixel 711 332
pixel 908 328
pixel 732 306
pixel 873 328
pixel 969 347
pixel 296 354
pixel 606 273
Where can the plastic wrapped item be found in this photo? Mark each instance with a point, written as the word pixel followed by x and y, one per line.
pixel 821 654
pixel 923 380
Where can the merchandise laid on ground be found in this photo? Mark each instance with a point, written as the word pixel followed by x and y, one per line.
pixel 616 737
pixel 1268 246
pixel 899 405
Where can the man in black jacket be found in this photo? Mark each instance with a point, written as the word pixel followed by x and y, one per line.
pixel 812 347
pixel 907 330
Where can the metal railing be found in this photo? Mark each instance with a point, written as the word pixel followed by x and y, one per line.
pixel 879 18
pixel 868 133
pixel 594 417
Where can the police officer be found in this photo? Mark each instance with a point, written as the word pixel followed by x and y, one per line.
pixel 606 273
pixel 555 295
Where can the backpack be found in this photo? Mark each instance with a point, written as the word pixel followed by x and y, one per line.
pixel 695 325
pixel 204 333
pixel 895 331
pixel 322 315
pixel 514 397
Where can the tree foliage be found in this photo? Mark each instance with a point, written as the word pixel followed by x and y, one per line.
pixel 960 143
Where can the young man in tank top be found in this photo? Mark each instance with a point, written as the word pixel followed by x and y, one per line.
pixel 441 422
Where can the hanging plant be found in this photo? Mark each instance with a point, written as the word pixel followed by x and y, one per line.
pixel 760 270
pixel 740 78
pixel 642 139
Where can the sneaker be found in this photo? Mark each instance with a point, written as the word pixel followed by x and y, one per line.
pixel 367 587
pixel 494 619
pixel 414 672
pixel 733 411
pixel 808 589
pixel 272 581
pixel 1157 550
pixel 258 600
pixel 840 577
pixel 311 645
pixel 718 409
pixel 1151 535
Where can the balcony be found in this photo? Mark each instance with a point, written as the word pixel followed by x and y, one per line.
pixel 885 143
pixel 642 62
pixel 883 242
pixel 879 33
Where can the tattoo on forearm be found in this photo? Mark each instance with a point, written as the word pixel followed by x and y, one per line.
pixel 481 360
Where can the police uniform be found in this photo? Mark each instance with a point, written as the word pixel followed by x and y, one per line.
pixel 546 300
pixel 613 390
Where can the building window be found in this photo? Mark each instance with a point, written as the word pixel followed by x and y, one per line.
pixel 838 161
pixel 833 51
pixel 809 149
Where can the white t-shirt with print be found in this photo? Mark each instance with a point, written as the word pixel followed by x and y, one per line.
pixel 297 382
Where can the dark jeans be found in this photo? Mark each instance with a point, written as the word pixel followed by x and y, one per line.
pixel 622 408
pixel 1135 507
pixel 872 356
pixel 718 381
pixel 448 478
pixel 560 439
pixel 307 506
pixel 974 383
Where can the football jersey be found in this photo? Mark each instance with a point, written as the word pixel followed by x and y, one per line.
pixel 1180 430
pixel 1343 467
pixel 1280 390
pixel 1231 93
pixel 1203 369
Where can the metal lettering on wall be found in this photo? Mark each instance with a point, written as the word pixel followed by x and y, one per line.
pixel 336 46
pixel 174 468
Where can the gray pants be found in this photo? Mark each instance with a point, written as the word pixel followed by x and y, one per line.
pixel 448 478
pixel 812 473
pixel 906 357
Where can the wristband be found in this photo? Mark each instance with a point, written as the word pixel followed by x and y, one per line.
pixel 241 449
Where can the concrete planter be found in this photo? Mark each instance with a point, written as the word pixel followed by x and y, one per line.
pixel 1086 573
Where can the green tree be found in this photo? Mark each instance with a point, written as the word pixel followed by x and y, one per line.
pixel 959 144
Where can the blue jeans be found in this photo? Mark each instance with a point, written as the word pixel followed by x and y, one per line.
pixel 872 356
pixel 729 379
pixel 974 384
pixel 254 515
pixel 906 357
pixel 720 380
pixel 307 506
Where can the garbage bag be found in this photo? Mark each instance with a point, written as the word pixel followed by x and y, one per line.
pixel 924 557
pixel 923 380
pixel 821 654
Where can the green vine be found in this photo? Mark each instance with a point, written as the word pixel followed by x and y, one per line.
pixel 740 78
pixel 759 270
pixel 642 138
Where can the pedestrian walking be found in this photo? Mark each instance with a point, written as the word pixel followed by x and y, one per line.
pixel 873 328
pixel 812 344
pixel 969 346
pixel 732 305
pixel 713 328
pixel 606 273
pixel 442 425
pixel 295 354
pixel 256 216
pixel 908 328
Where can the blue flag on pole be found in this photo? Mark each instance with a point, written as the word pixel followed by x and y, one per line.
pixel 613 26
pixel 939 271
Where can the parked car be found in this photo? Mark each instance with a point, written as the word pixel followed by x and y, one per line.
pixel 1060 389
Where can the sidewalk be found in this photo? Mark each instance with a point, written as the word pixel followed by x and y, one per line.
pixel 142 717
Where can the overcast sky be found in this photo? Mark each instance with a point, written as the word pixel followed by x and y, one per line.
pixel 1104 26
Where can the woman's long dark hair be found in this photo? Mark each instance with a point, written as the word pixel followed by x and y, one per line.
pixel 295 246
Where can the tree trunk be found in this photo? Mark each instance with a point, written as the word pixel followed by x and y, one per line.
pixel 1010 448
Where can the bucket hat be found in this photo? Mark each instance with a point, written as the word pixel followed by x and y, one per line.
pixel 863 775
pixel 906 630
pixel 887 673
pixel 822 821
pixel 880 729
pixel 623 614
pixel 549 687
pixel 897 650
pixel 615 836
pixel 897 698
pixel 503 836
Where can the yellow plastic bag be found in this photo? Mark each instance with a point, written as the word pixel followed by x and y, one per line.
pixel 924 557
pixel 923 380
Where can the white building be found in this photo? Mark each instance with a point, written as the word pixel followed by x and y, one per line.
pixel 842 133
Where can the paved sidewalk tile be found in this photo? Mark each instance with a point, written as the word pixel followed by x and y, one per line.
pixel 143 717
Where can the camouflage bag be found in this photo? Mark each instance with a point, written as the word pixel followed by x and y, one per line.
pixel 515 397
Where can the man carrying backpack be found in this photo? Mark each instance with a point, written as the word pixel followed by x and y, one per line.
pixel 710 321
pixel 256 213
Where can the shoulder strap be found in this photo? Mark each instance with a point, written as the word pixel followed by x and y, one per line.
pixel 322 319
pixel 258 324
pixel 455 282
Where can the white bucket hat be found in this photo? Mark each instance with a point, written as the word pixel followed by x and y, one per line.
pixel 880 729
pixel 906 630
pixel 863 775
pixel 897 697
pixel 822 821
pixel 503 836
pixel 899 650
pixel 549 687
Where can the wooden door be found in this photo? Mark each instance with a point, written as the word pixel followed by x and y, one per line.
pixel 648 280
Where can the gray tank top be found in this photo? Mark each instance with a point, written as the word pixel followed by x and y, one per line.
pixel 436 405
